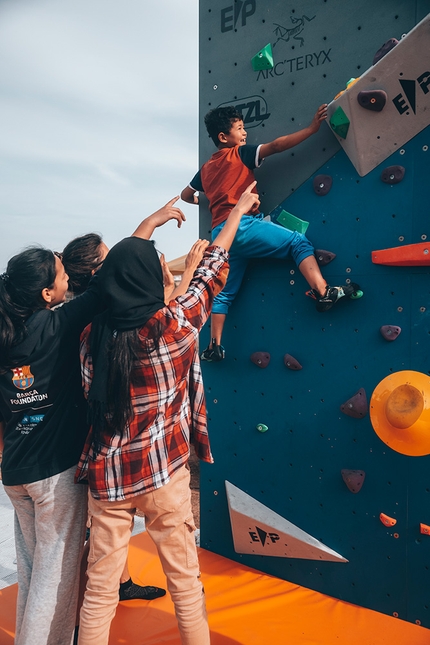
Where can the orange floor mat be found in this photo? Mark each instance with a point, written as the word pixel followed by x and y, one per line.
pixel 245 607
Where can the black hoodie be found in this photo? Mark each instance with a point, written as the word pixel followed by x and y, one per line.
pixel 41 400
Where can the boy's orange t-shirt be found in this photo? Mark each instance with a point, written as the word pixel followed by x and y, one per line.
pixel 224 178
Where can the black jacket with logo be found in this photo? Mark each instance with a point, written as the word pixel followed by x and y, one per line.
pixel 41 400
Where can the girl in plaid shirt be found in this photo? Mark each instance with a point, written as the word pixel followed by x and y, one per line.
pixel 145 392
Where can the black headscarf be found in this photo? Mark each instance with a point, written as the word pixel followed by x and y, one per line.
pixel 131 283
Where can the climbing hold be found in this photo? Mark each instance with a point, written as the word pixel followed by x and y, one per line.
pixel 409 255
pixel 356 406
pixel 322 184
pixel 263 60
pixel 357 293
pixel 292 222
pixel 354 479
pixel 261 359
pixel 387 520
pixel 392 174
pixel 324 257
pixel 261 427
pixel 424 529
pixel 339 123
pixel 386 47
pixel 390 332
pixel 292 363
pixel 373 100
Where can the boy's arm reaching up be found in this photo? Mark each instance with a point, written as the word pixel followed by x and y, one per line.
pixel 189 195
pixel 290 140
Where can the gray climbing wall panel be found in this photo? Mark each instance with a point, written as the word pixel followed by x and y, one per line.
pixel 294 468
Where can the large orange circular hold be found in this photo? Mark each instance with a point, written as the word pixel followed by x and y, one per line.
pixel 400 412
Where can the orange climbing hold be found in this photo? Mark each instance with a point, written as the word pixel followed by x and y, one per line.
pixel 387 520
pixel 424 529
pixel 410 255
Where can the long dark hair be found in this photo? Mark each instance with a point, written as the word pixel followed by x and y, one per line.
pixel 81 257
pixel 27 274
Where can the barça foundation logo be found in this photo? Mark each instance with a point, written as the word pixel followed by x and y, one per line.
pixel 22 377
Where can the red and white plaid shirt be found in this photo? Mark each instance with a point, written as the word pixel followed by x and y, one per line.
pixel 167 396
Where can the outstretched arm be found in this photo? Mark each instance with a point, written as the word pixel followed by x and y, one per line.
pixel 160 217
pixel 189 195
pixel 290 140
pixel 247 201
pixel 192 261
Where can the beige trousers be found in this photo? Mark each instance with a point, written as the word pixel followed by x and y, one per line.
pixel 170 524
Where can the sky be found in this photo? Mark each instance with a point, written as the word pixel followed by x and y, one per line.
pixel 99 119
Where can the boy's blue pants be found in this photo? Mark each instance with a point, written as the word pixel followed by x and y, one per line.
pixel 256 238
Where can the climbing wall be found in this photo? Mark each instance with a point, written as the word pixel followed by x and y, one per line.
pixel 300 488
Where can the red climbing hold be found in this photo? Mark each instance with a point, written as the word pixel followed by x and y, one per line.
pixel 291 362
pixel 409 255
pixel 356 406
pixel 324 257
pixel 387 520
pixel 392 174
pixel 353 479
pixel 261 359
pixel 322 184
pixel 424 529
pixel 373 100
pixel 390 332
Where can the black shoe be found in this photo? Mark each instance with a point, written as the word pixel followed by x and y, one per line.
pixel 214 353
pixel 131 591
pixel 333 294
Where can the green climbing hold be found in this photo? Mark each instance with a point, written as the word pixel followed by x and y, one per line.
pixel 339 122
pixel 356 295
pixel 261 427
pixel 263 60
pixel 292 222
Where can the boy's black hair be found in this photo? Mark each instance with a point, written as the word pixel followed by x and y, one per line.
pixel 220 120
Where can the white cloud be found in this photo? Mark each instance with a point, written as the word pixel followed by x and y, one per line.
pixel 98 102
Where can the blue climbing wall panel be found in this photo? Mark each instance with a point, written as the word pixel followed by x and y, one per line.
pixel 294 468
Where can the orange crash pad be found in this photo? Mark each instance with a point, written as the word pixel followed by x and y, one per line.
pixel 245 607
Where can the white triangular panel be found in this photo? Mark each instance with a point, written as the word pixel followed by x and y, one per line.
pixel 257 530
pixel 404 74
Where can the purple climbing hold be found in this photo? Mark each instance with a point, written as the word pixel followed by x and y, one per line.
pixel 354 479
pixel 386 47
pixel 373 100
pixel 322 184
pixel 324 257
pixel 291 362
pixel 390 332
pixel 261 359
pixel 356 406
pixel 392 174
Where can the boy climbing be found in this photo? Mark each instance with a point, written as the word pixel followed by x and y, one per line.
pixel 223 179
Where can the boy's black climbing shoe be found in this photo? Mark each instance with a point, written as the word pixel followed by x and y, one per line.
pixel 131 591
pixel 333 294
pixel 214 353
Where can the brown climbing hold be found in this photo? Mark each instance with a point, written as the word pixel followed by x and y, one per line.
pixel 356 406
pixel 424 529
pixel 261 359
pixel 387 520
pixel 291 362
pixel 324 257
pixel 392 174
pixel 386 47
pixel 353 479
pixel 390 332
pixel 322 184
pixel 373 100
